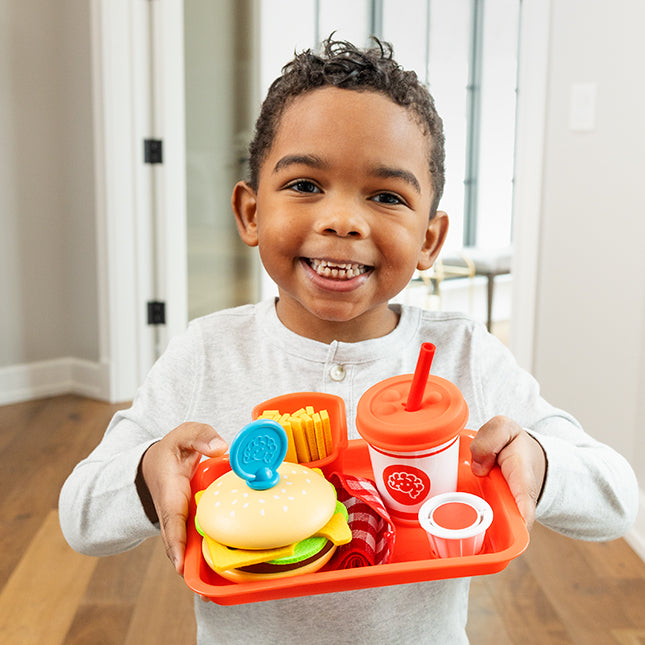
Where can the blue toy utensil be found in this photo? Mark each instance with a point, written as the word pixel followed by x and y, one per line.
pixel 257 451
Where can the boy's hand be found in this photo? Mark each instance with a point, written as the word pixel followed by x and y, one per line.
pixel 167 468
pixel 520 457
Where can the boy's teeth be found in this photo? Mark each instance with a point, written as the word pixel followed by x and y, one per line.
pixel 342 271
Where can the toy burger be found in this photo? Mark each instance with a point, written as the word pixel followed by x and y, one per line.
pixel 267 518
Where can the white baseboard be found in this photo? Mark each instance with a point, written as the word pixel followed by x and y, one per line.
pixel 50 378
pixel 636 537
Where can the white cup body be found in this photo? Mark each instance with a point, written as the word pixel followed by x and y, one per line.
pixel 406 480
pixel 446 548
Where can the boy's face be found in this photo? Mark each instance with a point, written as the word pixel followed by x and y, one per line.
pixel 341 214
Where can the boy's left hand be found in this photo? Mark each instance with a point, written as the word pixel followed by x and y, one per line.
pixel 521 458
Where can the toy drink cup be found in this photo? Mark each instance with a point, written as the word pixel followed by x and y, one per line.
pixel 411 424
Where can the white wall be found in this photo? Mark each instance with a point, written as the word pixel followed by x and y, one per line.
pixel 590 316
pixel 47 228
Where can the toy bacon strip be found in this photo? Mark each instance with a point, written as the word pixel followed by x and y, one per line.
pixel 308 432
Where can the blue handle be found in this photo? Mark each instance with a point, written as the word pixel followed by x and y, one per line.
pixel 257 451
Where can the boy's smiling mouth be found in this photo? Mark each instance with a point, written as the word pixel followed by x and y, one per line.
pixel 337 270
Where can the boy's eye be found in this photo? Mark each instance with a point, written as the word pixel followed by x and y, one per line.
pixel 388 198
pixel 304 186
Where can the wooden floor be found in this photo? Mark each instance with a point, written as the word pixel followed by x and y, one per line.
pixel 559 591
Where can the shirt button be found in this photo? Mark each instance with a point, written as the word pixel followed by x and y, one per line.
pixel 337 372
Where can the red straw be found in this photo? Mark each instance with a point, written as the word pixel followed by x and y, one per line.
pixel 420 378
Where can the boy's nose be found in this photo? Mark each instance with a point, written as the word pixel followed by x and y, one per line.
pixel 343 221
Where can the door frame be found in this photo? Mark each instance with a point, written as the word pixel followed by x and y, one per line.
pixel 137 93
pixel 533 68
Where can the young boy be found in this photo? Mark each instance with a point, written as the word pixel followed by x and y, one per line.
pixel 346 175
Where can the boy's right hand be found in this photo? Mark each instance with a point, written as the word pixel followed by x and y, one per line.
pixel 167 468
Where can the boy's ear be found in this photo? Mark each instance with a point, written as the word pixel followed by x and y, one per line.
pixel 435 237
pixel 244 202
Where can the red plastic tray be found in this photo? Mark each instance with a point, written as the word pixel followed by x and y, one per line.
pixel 413 560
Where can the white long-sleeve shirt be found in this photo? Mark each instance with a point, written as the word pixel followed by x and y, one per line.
pixel 229 361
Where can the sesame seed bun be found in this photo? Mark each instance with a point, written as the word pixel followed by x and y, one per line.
pixel 233 514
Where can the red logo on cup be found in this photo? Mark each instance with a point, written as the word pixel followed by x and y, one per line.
pixel 406 484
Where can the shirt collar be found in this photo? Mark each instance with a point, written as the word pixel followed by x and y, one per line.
pixel 394 343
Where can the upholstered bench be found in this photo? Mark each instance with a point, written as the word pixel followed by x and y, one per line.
pixel 467 263
pixel 485 262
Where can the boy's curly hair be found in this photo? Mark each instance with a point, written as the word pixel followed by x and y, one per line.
pixel 341 64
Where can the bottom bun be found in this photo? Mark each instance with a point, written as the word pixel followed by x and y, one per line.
pixel 237 575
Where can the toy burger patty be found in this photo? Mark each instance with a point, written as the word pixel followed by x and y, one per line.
pixel 288 529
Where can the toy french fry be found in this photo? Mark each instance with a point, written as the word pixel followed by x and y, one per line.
pixel 270 414
pixel 324 416
pixel 320 435
pixel 292 453
pixel 310 432
pixel 300 439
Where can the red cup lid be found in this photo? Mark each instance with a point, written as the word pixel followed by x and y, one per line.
pixel 383 421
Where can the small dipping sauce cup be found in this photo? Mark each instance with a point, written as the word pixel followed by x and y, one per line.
pixel 411 424
pixel 456 523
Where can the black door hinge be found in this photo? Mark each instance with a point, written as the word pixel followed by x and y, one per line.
pixel 153 151
pixel 156 313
